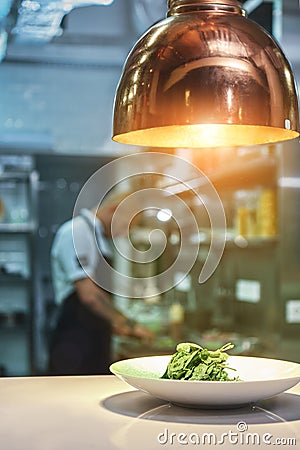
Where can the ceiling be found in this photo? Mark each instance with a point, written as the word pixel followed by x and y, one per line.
pixel 49 29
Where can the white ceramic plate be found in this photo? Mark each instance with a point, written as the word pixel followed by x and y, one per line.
pixel 262 378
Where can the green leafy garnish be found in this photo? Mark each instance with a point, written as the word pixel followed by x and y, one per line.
pixel 192 362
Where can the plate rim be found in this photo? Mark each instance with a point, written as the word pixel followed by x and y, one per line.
pixel 203 382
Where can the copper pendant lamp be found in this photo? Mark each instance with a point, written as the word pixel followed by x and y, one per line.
pixel 206 76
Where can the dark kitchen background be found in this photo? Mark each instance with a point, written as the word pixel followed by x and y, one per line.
pixel 60 65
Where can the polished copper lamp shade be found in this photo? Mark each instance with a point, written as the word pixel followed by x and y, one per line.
pixel 206 76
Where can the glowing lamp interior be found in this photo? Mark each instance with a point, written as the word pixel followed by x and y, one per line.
pixel 205 135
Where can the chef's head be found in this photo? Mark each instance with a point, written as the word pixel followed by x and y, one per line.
pixel 118 212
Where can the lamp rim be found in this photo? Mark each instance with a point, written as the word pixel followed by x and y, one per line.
pixel 206 136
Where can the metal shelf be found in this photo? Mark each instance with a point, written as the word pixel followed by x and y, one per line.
pixel 9 278
pixel 17 227
pixel 18 176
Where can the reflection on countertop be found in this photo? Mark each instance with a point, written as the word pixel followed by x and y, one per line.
pixel 281 408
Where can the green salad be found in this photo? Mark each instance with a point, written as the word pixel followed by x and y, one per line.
pixel 192 362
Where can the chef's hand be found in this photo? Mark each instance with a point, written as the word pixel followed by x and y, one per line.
pixel 144 334
pixel 133 329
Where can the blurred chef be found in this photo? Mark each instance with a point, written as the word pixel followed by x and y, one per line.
pixel 81 340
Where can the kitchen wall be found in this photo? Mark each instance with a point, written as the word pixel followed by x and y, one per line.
pixel 56 107
pixel 59 95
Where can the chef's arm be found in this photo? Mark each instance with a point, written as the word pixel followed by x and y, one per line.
pixel 99 303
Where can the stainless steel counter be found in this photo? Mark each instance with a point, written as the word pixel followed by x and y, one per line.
pixel 102 412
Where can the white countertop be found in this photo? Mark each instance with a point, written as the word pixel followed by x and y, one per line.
pixel 104 413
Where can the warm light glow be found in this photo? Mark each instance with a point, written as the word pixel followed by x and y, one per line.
pixel 206 135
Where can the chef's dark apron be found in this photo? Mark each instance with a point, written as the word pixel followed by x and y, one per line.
pixel 81 341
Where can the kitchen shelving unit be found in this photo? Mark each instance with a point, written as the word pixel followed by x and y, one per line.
pixel 243 295
pixel 18 193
